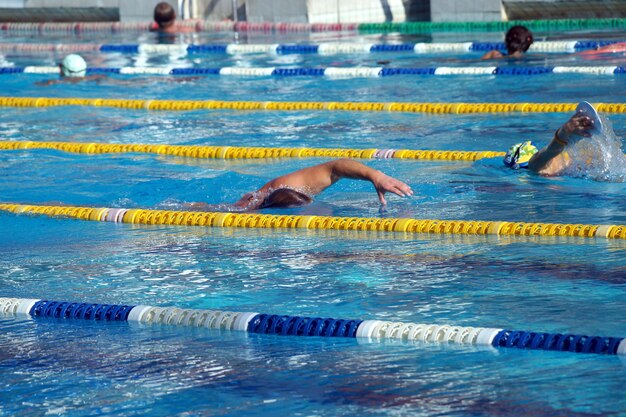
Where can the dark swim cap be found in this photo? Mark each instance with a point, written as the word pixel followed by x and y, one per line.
pixel 285 198
pixel 518 38
pixel 164 14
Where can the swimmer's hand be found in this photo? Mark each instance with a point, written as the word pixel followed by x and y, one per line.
pixel 246 200
pixel 197 206
pixel 384 183
pixel 251 201
pixel 46 83
pixel 575 129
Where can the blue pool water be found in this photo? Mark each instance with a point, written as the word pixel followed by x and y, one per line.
pixel 62 367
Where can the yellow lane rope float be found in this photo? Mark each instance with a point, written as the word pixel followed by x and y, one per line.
pixel 236 152
pixel 186 105
pixel 255 220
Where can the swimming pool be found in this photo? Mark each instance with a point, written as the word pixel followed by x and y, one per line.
pixel 552 284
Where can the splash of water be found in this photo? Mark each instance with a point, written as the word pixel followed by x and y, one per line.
pixel 4 62
pixel 599 158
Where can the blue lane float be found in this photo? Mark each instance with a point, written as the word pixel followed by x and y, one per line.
pixel 331 72
pixel 328 48
pixel 314 326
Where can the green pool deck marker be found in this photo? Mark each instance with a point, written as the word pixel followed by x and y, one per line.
pixel 536 25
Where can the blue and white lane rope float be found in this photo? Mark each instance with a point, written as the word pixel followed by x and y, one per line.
pixel 330 48
pixel 315 326
pixel 330 72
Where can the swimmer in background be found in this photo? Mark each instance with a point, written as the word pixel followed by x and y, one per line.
pixel 604 52
pixel 517 40
pixel 73 70
pixel 554 158
pixel 298 188
pixel 165 20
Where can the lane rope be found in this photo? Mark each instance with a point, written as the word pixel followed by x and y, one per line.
pixel 325 48
pixel 363 28
pixel 285 325
pixel 187 105
pixel 274 221
pixel 240 152
pixel 493 26
pixel 186 25
pixel 330 72
pixel 247 152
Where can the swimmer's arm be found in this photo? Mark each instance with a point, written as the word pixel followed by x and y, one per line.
pixel 202 206
pixel 313 180
pixel 348 168
pixel 606 49
pixel 495 54
pixel 544 161
pixel 543 158
pixel 96 77
pixel 72 80
pixel 197 206
pixel 47 82
pixel 317 178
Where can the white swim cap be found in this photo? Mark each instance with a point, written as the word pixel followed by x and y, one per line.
pixel 73 66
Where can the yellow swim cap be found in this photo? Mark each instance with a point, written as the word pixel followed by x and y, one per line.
pixel 519 154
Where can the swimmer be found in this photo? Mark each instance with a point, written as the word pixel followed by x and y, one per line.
pixel 72 69
pixel 298 188
pixel 601 52
pixel 518 39
pixel 552 159
pixel 165 20
pixel 164 17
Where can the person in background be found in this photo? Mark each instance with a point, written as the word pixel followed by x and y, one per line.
pixel 165 20
pixel 73 70
pixel 517 40
pixel 73 66
pixel 164 17
pixel 602 52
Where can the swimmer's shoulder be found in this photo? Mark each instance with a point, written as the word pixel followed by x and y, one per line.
pixel 495 54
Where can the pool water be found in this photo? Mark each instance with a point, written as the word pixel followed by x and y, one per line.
pixel 551 284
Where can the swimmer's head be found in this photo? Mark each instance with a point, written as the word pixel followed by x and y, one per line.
pixel 519 154
pixel 285 198
pixel 164 15
pixel 518 39
pixel 73 65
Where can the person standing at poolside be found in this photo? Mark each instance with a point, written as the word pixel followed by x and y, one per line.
pixel 517 40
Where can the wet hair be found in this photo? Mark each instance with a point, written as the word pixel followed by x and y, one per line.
pixel 518 39
pixel 164 14
pixel 285 198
